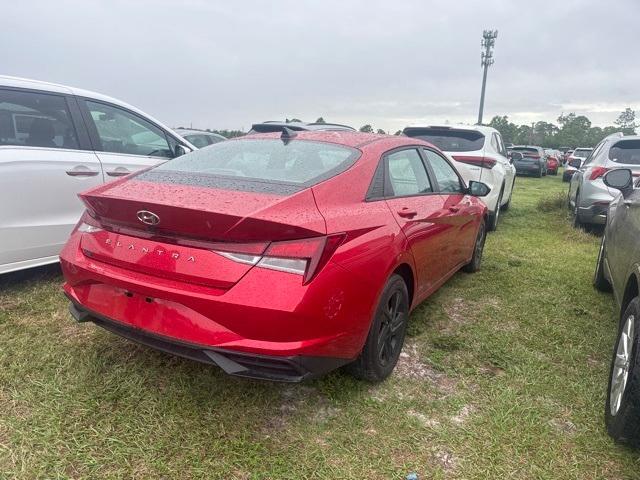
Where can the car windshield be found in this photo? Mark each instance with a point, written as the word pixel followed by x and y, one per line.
pixel 449 140
pixel 582 152
pixel 626 151
pixel 301 162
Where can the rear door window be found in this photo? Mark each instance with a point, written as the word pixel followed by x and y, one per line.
pixel 406 174
pixel 449 140
pixel 625 151
pixel 36 120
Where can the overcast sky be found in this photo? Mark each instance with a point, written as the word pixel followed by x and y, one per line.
pixel 226 64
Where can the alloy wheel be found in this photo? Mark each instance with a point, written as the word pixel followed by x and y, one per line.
pixel 390 335
pixel 622 362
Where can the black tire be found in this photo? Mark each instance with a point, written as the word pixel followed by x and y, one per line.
pixel 495 216
pixel 600 282
pixel 565 178
pixel 506 206
pixel 476 260
pixel 555 172
pixel 386 334
pixel 623 424
pixel 577 222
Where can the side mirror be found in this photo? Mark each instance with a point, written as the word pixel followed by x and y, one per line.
pixel 180 150
pixel 575 163
pixel 516 156
pixel 620 179
pixel 478 189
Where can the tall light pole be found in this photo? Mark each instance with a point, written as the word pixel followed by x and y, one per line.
pixel 488 41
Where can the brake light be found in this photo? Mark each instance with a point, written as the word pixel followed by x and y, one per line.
pixel 304 257
pixel 597 172
pixel 477 161
pixel 87 224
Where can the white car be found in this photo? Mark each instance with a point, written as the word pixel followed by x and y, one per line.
pixel 56 142
pixel 479 154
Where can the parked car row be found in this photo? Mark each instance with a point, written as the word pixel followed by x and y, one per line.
pixel 282 255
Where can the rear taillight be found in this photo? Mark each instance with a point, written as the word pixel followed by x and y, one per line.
pixel 87 224
pixel 478 161
pixel 597 172
pixel 304 257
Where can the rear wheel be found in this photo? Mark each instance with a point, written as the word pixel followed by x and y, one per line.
pixel 599 280
pixel 506 206
pixel 622 409
pixel 495 215
pixel 577 222
pixel 474 265
pixel 386 335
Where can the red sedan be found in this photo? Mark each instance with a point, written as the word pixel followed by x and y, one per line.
pixel 276 256
pixel 552 165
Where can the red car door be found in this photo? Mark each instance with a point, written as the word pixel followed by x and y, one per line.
pixel 417 208
pixel 457 211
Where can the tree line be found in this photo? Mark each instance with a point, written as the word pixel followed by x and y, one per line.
pixel 571 130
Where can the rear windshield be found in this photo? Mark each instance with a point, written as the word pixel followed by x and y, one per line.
pixel 298 163
pixel 450 140
pixel 626 151
pixel 526 150
pixel 582 152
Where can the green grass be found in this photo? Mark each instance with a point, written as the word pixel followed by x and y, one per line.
pixel 504 376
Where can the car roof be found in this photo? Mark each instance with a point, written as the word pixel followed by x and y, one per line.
pixel 27 83
pixel 347 138
pixel 527 146
pixel 454 126
pixel 272 125
pixel 191 131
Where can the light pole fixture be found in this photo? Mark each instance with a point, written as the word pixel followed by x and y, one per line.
pixel 488 42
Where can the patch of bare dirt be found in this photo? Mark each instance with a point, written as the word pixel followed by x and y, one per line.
pixel 463 415
pixel 446 460
pixel 423 419
pixel 564 426
pixel 412 367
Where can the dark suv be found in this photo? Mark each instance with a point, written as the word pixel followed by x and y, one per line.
pixel 533 161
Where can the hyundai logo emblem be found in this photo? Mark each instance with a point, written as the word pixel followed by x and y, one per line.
pixel 148 218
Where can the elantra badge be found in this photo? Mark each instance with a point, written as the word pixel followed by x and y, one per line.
pixel 148 218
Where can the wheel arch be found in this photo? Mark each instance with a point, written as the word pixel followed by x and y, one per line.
pixel 406 272
pixel 630 291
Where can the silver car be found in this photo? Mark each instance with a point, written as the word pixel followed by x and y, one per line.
pixel 618 270
pixel 588 196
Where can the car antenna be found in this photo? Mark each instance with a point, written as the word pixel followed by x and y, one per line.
pixel 287 135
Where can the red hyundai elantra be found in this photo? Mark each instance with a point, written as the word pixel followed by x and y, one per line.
pixel 276 256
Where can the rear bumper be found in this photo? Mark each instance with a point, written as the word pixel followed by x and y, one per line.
pixel 266 314
pixel 527 168
pixel 264 367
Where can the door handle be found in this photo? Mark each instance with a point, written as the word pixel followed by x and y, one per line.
pixel 454 209
pixel 407 213
pixel 118 173
pixel 82 173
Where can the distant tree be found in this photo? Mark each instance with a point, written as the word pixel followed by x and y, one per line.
pixel 381 131
pixel 627 121
pixel 366 128
pixel 320 120
pixel 508 130
pixel 286 120
pixel 399 132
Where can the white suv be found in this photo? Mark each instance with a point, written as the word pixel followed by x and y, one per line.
pixel 55 142
pixel 479 154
